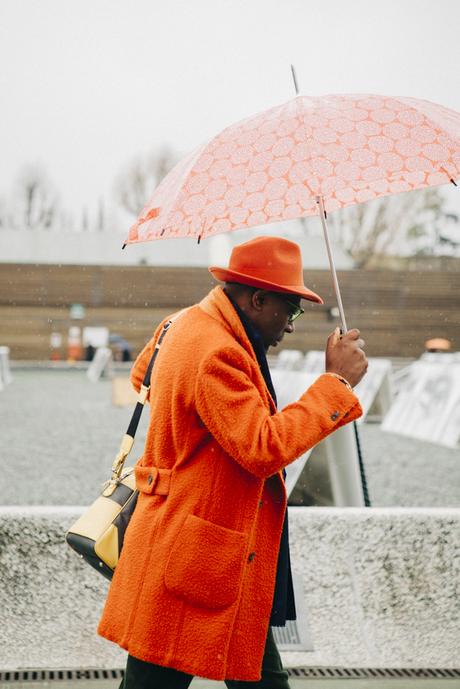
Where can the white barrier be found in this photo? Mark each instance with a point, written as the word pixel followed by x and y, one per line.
pixel 101 364
pixel 5 371
pixel 379 585
pixel 428 402
pixel 290 360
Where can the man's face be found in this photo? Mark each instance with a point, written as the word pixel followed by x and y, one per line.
pixel 272 315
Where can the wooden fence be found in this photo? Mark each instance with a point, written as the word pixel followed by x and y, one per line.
pixel 396 311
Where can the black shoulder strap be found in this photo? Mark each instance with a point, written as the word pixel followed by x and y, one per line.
pixel 145 387
pixel 128 439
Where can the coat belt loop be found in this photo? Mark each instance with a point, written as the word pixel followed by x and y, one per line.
pixel 163 482
pixel 153 480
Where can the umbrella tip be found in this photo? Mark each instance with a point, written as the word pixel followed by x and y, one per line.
pixel 294 77
pixel 123 246
pixel 454 182
pixel 199 239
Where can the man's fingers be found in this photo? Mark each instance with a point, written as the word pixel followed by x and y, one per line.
pixel 345 355
pixel 353 334
pixel 334 337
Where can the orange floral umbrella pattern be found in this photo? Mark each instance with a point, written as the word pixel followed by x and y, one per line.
pixel 273 166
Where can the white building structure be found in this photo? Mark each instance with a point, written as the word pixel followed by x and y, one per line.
pixel 105 248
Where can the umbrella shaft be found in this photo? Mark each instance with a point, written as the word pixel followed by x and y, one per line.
pixel 322 213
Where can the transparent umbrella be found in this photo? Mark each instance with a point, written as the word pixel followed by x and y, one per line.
pixel 308 156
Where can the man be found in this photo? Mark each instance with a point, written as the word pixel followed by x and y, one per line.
pixel 202 573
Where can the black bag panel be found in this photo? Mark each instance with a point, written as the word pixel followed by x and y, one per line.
pixel 85 548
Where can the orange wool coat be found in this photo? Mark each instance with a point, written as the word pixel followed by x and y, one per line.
pixel 194 585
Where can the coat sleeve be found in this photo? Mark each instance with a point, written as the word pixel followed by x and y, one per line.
pixel 232 409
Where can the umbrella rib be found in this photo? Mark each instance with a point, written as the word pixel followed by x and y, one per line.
pixel 451 179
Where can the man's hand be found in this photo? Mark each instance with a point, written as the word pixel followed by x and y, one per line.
pixel 345 355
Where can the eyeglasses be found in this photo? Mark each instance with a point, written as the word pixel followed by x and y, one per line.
pixel 296 311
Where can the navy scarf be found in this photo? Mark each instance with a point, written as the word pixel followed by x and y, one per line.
pixel 283 607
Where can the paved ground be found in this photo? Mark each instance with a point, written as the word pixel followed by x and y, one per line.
pixel 61 433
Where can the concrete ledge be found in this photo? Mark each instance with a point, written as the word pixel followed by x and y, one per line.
pixel 50 598
pixel 381 587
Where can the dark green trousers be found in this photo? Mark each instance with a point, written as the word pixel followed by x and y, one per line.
pixel 142 675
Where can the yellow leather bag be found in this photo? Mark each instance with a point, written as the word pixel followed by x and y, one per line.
pixel 97 536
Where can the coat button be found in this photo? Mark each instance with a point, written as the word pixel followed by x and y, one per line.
pixel 335 416
pixel 251 557
pixel 261 503
pixel 150 479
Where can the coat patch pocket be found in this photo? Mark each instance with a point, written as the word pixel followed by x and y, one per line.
pixel 205 563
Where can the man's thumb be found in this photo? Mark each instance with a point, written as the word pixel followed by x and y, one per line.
pixel 336 336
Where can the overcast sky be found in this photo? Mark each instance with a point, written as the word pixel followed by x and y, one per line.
pixel 88 85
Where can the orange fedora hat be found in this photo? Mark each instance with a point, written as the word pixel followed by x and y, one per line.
pixel 270 263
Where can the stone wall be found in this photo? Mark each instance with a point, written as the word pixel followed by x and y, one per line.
pixel 381 589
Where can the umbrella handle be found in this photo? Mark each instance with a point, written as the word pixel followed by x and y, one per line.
pixel 322 213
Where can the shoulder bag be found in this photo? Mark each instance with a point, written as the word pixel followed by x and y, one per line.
pixel 97 536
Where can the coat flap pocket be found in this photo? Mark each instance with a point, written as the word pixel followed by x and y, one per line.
pixel 206 563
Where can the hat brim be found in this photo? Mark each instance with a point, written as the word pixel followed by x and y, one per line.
pixel 226 275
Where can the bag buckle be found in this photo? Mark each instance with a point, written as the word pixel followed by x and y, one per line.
pixel 127 443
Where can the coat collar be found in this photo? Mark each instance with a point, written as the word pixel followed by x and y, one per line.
pixel 217 305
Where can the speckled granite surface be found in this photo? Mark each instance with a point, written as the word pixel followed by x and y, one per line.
pixel 381 586
pixel 50 600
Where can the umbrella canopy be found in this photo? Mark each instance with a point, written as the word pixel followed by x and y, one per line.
pixel 276 165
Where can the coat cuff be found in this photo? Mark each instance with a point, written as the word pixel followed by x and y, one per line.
pixel 342 403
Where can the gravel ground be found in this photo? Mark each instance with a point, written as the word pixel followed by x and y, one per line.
pixel 60 433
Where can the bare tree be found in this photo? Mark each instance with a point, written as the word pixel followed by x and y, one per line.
pixel 84 219
pixel 134 186
pixel 412 222
pixel 35 201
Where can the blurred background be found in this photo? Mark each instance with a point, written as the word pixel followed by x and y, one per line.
pixel 101 99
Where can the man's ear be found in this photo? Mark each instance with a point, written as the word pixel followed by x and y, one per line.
pixel 258 299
